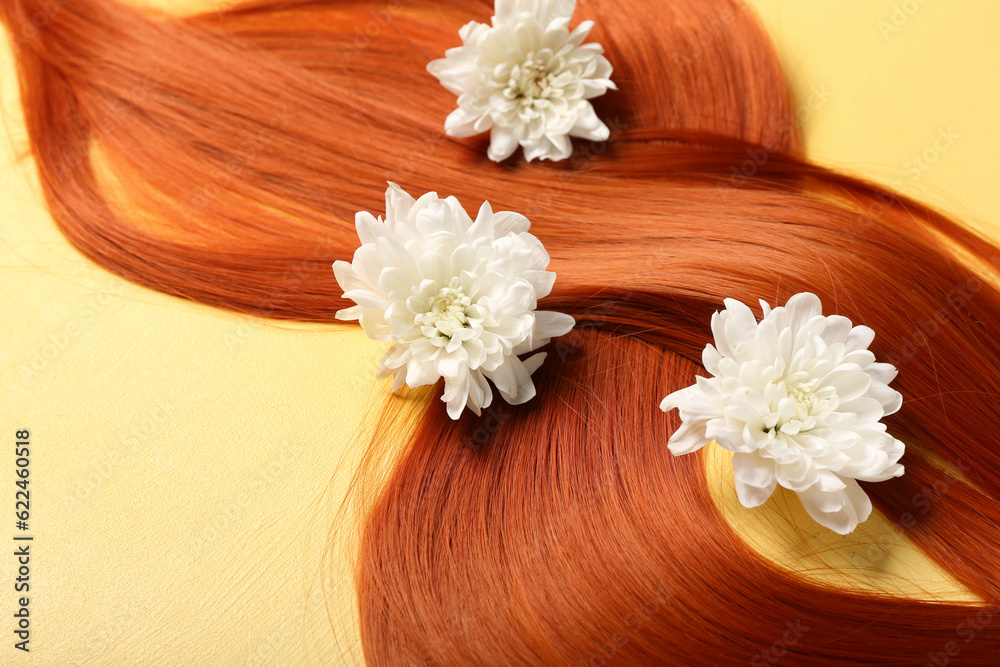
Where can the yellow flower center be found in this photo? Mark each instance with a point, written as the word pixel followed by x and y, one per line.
pixel 447 310
pixel 804 394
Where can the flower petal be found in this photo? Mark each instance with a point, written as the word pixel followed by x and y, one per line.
pixel 456 301
pixel 689 437
pixel 589 126
pixel 840 511
pixel 463 123
pixel 798 398
pixel 507 222
pixel 549 324
pixel 503 143
pixel 539 104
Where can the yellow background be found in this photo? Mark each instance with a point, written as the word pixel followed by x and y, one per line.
pixel 186 462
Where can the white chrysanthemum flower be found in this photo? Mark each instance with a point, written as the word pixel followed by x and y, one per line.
pixel 455 297
pixel 527 79
pixel 799 398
